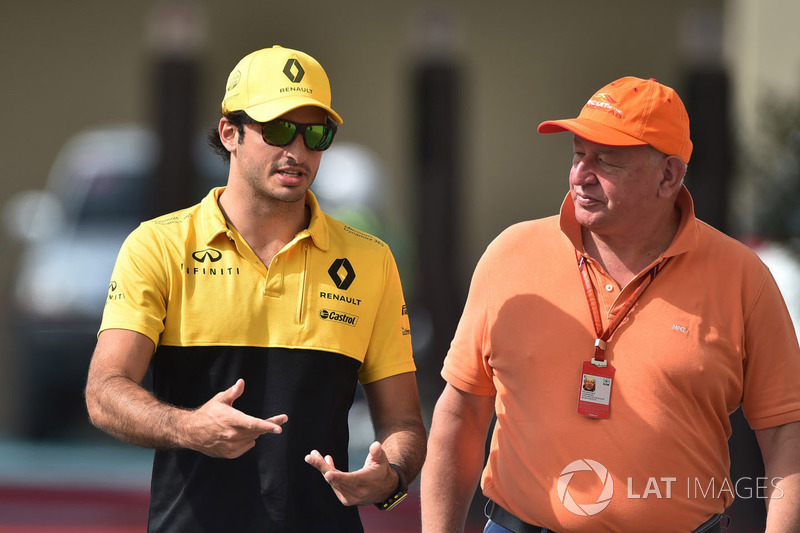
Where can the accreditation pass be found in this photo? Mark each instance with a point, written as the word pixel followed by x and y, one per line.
pixel 595 390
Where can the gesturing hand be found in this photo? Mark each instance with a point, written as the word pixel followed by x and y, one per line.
pixel 372 483
pixel 218 429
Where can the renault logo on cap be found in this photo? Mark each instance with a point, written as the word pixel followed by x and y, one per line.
pixel 294 71
pixel 349 274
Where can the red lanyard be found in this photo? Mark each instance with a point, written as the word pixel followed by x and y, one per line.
pixel 603 335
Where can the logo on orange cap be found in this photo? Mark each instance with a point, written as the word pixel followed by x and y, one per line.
pixel 605 96
pixel 632 112
pixel 604 102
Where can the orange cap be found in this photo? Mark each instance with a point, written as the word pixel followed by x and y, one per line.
pixel 632 112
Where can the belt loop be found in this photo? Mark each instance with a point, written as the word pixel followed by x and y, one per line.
pixel 714 524
pixel 488 508
pixel 503 518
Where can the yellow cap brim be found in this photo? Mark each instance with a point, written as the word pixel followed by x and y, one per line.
pixel 275 108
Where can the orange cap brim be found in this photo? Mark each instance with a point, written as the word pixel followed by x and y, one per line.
pixel 590 130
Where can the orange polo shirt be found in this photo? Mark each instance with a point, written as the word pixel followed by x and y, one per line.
pixel 709 334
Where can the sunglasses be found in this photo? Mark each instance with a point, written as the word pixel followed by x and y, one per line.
pixel 281 132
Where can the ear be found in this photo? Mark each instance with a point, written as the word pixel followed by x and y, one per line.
pixel 228 134
pixel 674 169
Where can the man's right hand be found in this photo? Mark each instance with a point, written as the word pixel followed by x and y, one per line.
pixel 217 429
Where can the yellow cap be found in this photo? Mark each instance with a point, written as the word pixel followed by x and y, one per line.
pixel 272 81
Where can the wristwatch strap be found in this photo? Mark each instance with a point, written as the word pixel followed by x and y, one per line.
pixel 399 495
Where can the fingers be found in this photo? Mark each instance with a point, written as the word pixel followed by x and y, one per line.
pixel 258 426
pixel 247 422
pixel 230 395
pixel 219 429
pixel 376 455
pixel 360 487
pixel 323 464
pixel 273 424
pixel 241 435
pixel 278 419
pixel 376 452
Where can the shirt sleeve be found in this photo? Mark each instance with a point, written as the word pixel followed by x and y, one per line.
pixel 138 290
pixel 466 366
pixel 389 351
pixel 771 394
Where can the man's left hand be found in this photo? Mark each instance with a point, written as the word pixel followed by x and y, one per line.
pixel 373 483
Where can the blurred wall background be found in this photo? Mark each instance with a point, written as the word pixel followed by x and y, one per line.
pixel 70 66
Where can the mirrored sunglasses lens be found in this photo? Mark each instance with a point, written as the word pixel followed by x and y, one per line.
pixel 278 132
pixel 318 137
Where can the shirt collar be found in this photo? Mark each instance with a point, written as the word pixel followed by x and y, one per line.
pixel 318 227
pixel 685 238
pixel 214 223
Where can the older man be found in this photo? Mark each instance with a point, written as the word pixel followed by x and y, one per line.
pixel 677 324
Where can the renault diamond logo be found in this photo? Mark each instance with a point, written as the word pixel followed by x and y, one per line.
pixel 342 282
pixel 294 71
pixel 209 253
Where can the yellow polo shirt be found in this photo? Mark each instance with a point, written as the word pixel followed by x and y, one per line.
pixel 327 313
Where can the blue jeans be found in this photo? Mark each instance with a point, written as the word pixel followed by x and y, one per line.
pixel 492 527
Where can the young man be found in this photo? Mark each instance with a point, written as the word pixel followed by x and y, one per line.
pixel 676 324
pixel 259 315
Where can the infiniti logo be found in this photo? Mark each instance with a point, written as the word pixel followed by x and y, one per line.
pixel 209 267
pixel 112 294
pixel 209 253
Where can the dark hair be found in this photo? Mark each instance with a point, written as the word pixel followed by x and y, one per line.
pixel 237 118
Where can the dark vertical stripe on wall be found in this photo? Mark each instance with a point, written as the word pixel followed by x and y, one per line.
pixel 710 170
pixel 174 117
pixel 437 140
pixel 710 179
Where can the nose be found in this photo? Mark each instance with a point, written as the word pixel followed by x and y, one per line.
pixel 297 147
pixel 582 171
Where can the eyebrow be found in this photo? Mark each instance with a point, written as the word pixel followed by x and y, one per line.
pixel 602 149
